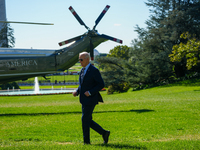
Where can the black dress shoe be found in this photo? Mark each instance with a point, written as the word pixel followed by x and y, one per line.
pixel 106 136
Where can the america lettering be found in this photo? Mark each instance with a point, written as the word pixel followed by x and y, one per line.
pixel 21 63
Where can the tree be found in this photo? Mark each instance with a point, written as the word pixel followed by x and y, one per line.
pixel 189 50
pixel 7 36
pixel 9 85
pixel 118 74
pixel 99 56
pixel 150 52
pixel 120 52
pixel 150 61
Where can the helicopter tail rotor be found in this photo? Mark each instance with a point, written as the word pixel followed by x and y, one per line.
pixel 91 33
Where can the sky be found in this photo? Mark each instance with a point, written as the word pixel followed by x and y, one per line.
pixel 119 21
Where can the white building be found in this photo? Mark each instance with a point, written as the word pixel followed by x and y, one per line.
pixel 96 53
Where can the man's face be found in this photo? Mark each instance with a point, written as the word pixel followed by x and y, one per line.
pixel 84 61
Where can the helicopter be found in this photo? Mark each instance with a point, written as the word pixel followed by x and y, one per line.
pixel 21 64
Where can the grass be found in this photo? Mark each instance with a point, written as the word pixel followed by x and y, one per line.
pixel 165 117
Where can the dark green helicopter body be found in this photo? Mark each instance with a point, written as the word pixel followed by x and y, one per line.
pixel 21 64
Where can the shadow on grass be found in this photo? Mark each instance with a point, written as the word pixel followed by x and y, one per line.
pixel 123 146
pixel 75 112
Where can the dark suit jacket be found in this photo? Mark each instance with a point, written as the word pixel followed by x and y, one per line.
pixel 93 83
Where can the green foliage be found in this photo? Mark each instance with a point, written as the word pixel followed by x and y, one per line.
pixel 7 36
pixel 189 50
pixel 118 74
pixel 99 56
pixel 151 51
pixel 120 52
pixel 152 66
pixel 122 87
pixel 9 85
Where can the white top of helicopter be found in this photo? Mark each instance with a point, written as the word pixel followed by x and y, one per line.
pixel 10 52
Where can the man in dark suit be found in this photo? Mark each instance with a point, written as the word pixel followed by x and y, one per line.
pixel 90 83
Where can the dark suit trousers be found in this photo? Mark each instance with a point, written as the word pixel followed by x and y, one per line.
pixel 88 123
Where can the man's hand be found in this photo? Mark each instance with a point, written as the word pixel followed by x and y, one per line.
pixel 74 93
pixel 87 93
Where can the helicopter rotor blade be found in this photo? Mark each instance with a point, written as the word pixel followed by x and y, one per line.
pixel 26 22
pixel 101 16
pixel 77 17
pixel 111 38
pixel 70 40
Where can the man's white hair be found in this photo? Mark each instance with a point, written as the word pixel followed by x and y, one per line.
pixel 86 54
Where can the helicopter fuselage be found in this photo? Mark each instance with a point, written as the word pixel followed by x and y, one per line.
pixel 21 64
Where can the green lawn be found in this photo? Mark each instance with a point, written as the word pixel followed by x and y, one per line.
pixel 157 118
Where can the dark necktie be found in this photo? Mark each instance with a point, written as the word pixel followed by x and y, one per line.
pixel 82 74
